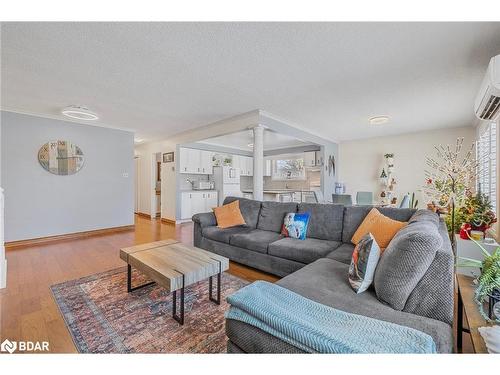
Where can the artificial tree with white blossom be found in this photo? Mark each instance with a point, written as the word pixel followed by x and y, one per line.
pixel 448 178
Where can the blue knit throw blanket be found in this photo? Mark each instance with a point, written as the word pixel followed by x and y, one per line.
pixel 317 328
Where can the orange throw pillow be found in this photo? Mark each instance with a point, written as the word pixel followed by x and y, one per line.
pixel 381 227
pixel 229 215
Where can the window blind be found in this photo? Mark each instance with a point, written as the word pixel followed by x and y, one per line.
pixel 486 155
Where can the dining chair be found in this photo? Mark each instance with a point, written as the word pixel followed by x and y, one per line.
pixel 318 194
pixel 364 198
pixel 344 199
pixel 405 202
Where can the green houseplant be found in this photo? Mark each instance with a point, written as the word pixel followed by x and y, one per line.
pixel 489 280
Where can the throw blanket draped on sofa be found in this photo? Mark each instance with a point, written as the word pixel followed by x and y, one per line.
pixel 317 328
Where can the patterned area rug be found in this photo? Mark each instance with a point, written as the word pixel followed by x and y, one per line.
pixel 103 318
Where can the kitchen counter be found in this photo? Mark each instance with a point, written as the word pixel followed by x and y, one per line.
pixel 194 190
pixel 280 191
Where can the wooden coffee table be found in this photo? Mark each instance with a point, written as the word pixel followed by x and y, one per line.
pixel 174 266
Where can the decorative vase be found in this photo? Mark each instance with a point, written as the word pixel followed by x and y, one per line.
pixel 494 304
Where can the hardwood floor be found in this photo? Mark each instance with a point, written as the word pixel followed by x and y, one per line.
pixel 27 309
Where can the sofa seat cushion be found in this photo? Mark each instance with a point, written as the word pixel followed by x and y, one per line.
pixel 255 240
pixel 304 251
pixel 326 281
pixel 223 235
pixel 343 253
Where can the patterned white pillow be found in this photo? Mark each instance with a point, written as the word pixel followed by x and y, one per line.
pixel 364 261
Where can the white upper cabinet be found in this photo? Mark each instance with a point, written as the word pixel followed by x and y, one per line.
pixel 206 162
pixel 310 159
pixel 184 160
pixel 245 165
pixel 268 168
pixel 195 161
pixel 318 158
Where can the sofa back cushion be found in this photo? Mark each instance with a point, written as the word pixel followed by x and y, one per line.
pixel 354 216
pixel 425 215
pixel 272 214
pixel 405 262
pixel 249 208
pixel 325 222
pixel 433 296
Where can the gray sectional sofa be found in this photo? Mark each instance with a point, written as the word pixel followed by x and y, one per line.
pixel 413 281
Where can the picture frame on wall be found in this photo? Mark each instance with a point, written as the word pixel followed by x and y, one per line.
pixel 168 157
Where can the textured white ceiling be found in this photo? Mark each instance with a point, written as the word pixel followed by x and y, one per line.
pixel 163 78
pixel 241 140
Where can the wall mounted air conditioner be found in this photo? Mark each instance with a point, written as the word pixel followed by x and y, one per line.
pixel 487 105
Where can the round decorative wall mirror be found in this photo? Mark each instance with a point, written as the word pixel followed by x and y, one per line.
pixel 61 157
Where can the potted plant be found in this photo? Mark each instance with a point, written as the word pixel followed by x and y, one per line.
pixel 488 283
pixel 475 213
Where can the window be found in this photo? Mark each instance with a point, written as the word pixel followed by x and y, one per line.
pixel 486 155
pixel 289 169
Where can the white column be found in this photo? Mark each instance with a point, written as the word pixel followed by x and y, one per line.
pixel 3 261
pixel 258 162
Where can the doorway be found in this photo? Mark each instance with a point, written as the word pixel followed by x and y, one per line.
pixel 136 184
pixel 157 186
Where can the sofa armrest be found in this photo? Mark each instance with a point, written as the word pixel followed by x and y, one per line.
pixel 206 219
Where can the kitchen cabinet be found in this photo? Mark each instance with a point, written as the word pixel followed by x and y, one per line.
pixel 312 158
pixel 195 161
pixel 186 199
pixel 318 158
pixel 206 162
pixel 246 165
pixel 268 168
pixel 195 202
pixel 211 201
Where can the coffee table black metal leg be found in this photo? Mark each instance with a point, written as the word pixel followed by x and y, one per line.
pixel 129 281
pixel 460 321
pixel 178 317
pixel 210 287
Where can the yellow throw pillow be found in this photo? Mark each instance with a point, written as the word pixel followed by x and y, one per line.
pixel 381 227
pixel 229 215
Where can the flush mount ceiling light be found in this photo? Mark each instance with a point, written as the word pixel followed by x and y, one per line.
pixel 378 120
pixel 79 113
pixel 138 140
pixel 250 145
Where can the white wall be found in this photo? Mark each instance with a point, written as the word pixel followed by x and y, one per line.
pixel 360 162
pixel 40 204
